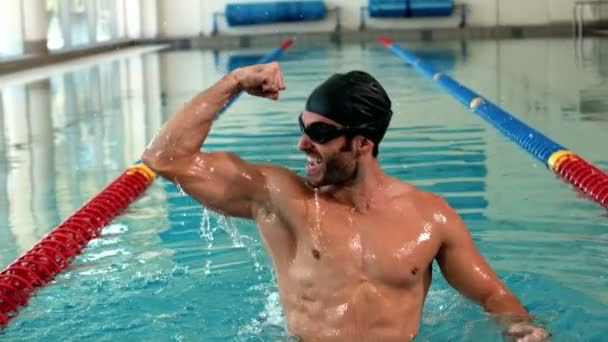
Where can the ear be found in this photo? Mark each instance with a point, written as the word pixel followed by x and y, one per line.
pixel 363 145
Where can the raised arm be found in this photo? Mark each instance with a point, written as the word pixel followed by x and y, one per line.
pixel 468 272
pixel 219 180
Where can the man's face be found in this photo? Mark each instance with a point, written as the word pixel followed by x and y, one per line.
pixel 330 162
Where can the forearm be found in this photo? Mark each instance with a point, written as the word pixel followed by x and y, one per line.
pixel 506 308
pixel 184 133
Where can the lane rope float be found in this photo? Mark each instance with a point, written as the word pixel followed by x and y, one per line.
pixel 586 177
pixel 57 249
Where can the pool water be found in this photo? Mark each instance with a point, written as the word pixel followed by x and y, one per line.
pixel 170 270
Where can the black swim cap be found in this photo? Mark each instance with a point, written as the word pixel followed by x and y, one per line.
pixel 353 99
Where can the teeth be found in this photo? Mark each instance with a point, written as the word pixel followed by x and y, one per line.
pixel 314 160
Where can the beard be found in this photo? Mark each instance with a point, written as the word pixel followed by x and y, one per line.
pixel 339 169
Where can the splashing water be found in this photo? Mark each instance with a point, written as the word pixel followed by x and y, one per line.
pixel 207 267
pixel 229 227
pixel 316 232
pixel 269 323
pixel 206 229
pixel 180 189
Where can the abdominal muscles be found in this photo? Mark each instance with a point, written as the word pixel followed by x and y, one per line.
pixel 360 312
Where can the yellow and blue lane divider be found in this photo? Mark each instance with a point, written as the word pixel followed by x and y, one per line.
pixel 583 175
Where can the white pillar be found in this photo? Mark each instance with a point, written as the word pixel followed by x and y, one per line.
pixel 134 114
pixel 149 18
pixel 180 79
pixel 181 18
pixel 154 113
pixel 65 23
pixel 5 234
pixel 97 122
pixel 15 116
pixel 115 131
pixel 43 153
pixel 72 147
pixel 132 19
pixel 91 8
pixel 126 124
pixel 35 26
pixel 19 180
pixel 11 37
pixel 119 19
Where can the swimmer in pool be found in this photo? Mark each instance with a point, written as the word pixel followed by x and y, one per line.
pixel 351 246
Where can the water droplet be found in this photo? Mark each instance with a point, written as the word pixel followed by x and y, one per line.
pixel 316 232
pixel 207 268
pixel 180 189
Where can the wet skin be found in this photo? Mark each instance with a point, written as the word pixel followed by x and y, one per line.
pixel 351 247
pixel 344 274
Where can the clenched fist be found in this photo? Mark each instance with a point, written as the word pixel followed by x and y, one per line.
pixel 264 80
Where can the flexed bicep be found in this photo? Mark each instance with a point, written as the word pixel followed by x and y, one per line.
pixel 221 181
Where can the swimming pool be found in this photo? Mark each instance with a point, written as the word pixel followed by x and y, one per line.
pixel 169 270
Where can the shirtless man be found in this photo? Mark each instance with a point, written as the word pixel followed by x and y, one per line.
pixel 352 247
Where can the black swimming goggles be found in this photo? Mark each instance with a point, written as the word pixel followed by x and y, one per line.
pixel 321 132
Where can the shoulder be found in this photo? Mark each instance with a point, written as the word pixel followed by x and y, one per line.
pixel 283 186
pixel 445 219
pixel 430 206
pixel 424 201
pixel 282 179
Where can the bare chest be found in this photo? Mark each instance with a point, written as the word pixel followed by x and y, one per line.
pixel 388 248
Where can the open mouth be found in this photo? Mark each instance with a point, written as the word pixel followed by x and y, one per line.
pixel 313 164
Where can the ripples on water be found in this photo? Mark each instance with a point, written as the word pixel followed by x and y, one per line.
pixel 170 270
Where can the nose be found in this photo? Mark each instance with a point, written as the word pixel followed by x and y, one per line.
pixel 304 143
